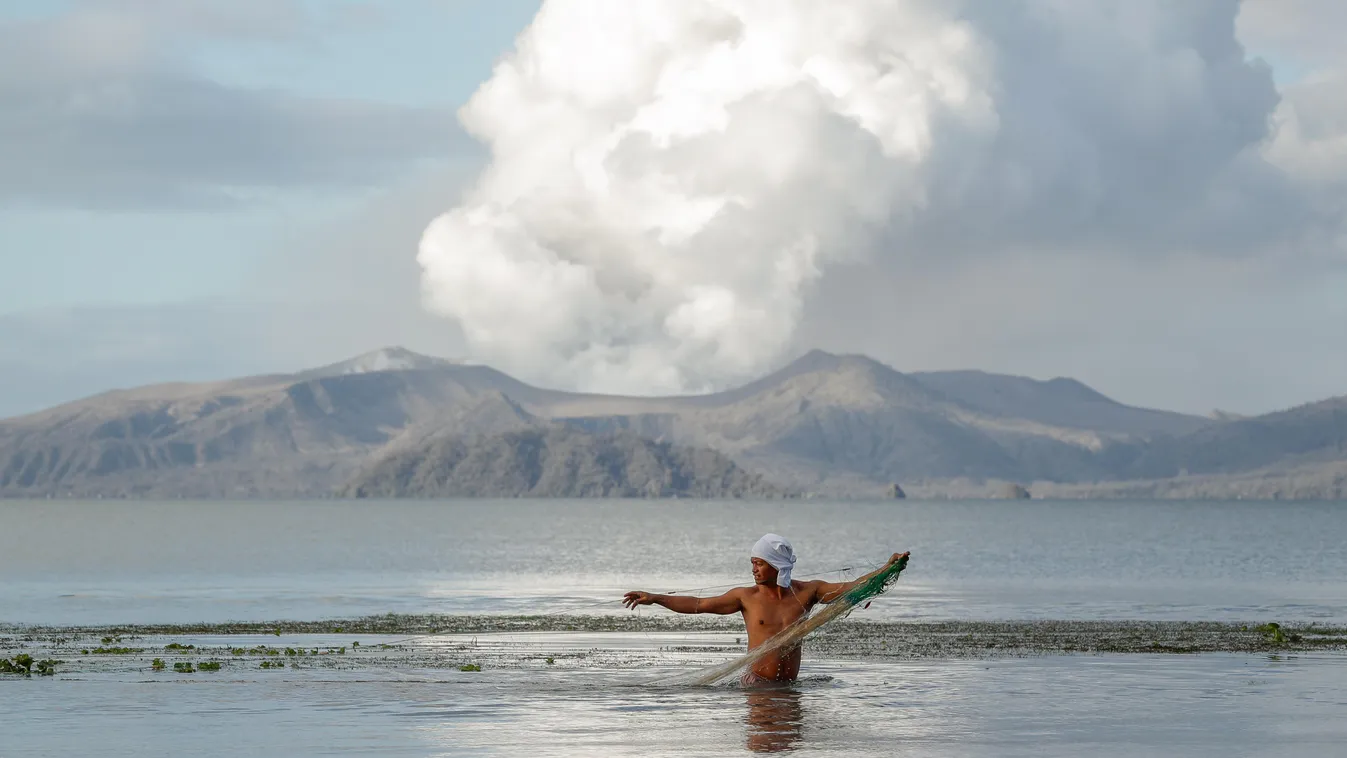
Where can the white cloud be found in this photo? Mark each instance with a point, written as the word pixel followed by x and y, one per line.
pixel 670 180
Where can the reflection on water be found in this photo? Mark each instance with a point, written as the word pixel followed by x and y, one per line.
pixel 775 718
pixel 1100 706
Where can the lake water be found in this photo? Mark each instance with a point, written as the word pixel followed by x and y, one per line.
pixel 113 562
pixel 105 563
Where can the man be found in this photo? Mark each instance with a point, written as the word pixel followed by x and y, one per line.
pixel 773 603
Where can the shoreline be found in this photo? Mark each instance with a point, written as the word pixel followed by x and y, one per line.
pixel 420 636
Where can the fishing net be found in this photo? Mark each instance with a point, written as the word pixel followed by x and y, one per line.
pixel 796 632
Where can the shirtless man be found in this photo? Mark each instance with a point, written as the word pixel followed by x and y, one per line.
pixel 770 605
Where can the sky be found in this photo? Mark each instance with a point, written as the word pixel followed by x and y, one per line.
pixel 677 195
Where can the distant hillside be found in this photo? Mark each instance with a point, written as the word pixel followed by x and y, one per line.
pixel 836 423
pixel 1059 402
pixel 555 462
pixel 833 425
pixel 1310 433
pixel 268 436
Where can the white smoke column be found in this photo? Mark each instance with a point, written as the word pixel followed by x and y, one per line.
pixel 669 176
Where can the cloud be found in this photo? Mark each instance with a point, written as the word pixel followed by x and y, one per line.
pixel 1305 33
pixel 1188 333
pixel 670 182
pixel 100 106
pixel 1310 125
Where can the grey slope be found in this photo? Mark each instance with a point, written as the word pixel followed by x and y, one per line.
pixel 1310 433
pixel 554 461
pixel 1059 402
pixel 827 423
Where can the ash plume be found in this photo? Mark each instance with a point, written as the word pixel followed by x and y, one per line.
pixel 669 178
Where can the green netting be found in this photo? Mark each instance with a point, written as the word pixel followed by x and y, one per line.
pixel 796 632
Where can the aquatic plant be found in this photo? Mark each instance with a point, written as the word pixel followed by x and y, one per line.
pixel 1272 633
pixel 179 646
pixel 20 664
pixel 157 664
pixel 550 660
pixel 112 640
pixel 209 666
pixel 355 644
pixel 272 665
pixel 24 665
pixel 184 667
pixel 469 667
pixel 116 650
pixel 238 651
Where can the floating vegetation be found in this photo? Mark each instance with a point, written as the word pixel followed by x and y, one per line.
pixel 179 646
pixel 157 664
pixel 355 644
pixel 24 665
pixel 112 640
pixel 114 651
pixel 1272 632
pixel 184 667
pixel 209 666
pixel 846 639
pixel 469 667
pixel 272 665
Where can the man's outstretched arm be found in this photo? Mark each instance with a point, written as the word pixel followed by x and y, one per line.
pixel 723 605
pixel 830 591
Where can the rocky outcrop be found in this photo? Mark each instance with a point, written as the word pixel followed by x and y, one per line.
pixel 556 461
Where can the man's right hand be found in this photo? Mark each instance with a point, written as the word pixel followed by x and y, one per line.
pixel 636 597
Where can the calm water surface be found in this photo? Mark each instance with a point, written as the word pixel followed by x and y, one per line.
pixel 1212 705
pixel 164 562
pixel 168 562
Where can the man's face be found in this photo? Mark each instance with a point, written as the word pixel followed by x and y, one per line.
pixel 763 572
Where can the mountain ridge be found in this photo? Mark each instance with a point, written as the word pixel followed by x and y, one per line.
pixel 841 425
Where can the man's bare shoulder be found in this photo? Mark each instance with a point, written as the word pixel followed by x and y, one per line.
pixel 809 588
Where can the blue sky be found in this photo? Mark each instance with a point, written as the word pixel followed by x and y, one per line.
pixel 210 188
pixel 420 54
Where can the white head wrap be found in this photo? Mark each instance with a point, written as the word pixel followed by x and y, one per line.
pixel 778 553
